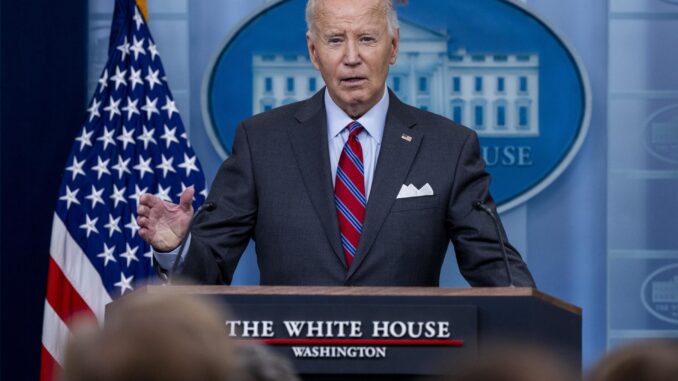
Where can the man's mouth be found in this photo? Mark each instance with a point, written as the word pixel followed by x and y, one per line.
pixel 353 80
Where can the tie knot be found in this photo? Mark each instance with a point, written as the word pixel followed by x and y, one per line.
pixel 354 128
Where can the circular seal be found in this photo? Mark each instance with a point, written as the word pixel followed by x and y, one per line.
pixel 659 293
pixel 494 66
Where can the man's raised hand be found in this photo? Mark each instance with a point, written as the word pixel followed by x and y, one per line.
pixel 163 224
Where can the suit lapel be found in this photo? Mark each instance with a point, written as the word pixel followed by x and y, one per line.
pixel 395 159
pixel 310 146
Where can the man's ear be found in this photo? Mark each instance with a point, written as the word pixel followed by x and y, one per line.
pixel 312 51
pixel 395 45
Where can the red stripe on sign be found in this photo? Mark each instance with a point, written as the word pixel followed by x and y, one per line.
pixel 452 343
pixel 48 366
pixel 62 296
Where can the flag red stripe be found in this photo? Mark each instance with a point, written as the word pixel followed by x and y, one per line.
pixel 76 267
pixel 48 366
pixel 62 296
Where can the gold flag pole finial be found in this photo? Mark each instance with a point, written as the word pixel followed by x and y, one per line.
pixel 144 9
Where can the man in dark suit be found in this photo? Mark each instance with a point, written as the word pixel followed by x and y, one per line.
pixel 350 187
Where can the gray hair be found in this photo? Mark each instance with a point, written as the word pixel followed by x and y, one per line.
pixel 391 17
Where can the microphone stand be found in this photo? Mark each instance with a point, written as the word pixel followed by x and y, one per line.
pixel 480 205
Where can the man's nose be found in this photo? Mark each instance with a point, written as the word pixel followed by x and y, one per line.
pixel 352 54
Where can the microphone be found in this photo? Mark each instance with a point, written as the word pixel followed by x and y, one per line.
pixel 480 205
pixel 206 207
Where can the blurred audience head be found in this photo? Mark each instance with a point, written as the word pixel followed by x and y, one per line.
pixel 652 360
pixel 153 337
pixel 256 362
pixel 522 362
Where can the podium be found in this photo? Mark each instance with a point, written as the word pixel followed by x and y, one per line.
pixel 394 333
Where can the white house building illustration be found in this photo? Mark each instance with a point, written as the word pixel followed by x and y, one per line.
pixel 495 94
pixel 665 292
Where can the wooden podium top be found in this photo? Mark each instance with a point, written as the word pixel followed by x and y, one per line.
pixel 369 291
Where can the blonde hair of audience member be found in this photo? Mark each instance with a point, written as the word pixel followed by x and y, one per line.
pixel 514 362
pixel 154 337
pixel 651 360
pixel 259 363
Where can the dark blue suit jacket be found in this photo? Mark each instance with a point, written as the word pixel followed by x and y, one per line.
pixel 277 189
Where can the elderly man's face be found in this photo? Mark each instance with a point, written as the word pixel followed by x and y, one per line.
pixel 353 49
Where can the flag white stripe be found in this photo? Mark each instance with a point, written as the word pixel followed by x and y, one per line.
pixel 78 269
pixel 55 334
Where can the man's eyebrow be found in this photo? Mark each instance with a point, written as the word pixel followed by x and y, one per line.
pixel 368 31
pixel 333 33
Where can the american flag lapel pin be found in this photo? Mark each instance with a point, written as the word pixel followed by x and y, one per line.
pixel 406 138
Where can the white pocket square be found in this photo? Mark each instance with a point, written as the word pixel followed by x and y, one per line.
pixel 407 191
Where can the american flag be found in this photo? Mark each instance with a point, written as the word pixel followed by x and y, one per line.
pixel 132 142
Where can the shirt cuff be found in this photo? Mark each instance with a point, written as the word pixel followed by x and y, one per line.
pixel 166 259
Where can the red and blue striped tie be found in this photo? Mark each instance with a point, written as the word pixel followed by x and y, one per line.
pixel 349 192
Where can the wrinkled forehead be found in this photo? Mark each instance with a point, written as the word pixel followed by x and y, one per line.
pixel 350 14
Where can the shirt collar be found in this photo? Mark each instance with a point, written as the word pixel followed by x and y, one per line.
pixel 373 121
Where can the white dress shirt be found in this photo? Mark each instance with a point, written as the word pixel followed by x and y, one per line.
pixel 370 139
